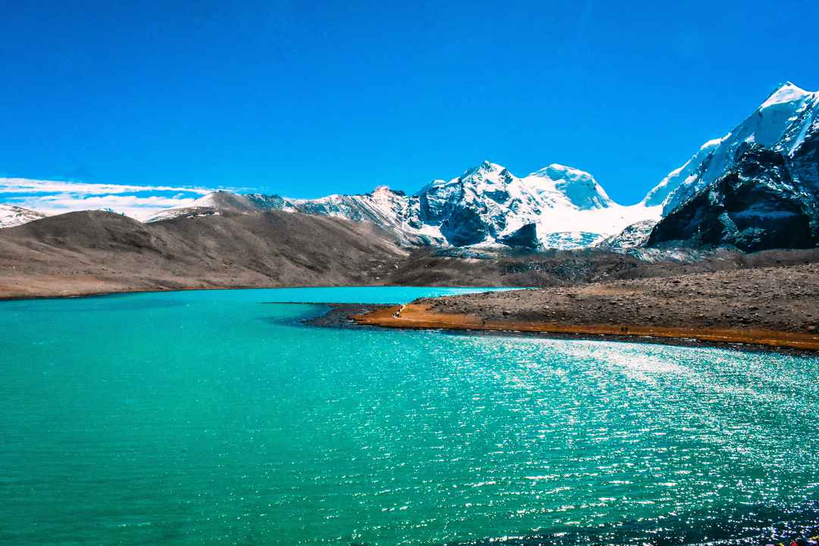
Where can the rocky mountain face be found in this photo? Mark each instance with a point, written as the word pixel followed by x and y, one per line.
pixel 11 216
pixel 634 236
pixel 758 204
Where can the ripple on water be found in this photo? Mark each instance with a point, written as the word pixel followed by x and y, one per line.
pixel 222 420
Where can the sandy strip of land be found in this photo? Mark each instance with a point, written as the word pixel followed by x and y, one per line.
pixel 420 316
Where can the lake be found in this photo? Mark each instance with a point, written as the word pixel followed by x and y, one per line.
pixel 215 417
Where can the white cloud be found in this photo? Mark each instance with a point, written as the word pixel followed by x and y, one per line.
pixel 57 196
pixel 134 206
pixel 27 185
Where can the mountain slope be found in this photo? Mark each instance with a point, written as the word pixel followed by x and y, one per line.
pixel 87 252
pixel 389 209
pixel 11 216
pixel 219 202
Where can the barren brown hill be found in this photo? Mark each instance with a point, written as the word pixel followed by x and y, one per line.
pixel 94 252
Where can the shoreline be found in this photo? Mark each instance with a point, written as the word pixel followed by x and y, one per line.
pixel 421 316
pixel 73 295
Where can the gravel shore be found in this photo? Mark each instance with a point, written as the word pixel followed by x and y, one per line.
pixel 772 306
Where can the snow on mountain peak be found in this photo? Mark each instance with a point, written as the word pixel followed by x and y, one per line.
pixel 579 187
pixel 384 191
pixel 786 92
pixel 557 171
pixel 487 168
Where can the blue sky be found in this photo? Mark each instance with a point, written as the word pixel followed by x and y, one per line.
pixel 309 98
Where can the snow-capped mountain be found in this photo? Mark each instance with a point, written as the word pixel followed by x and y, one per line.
pixel 11 216
pixel 554 207
pixel 218 202
pixel 784 123
pixel 489 205
pixel 393 210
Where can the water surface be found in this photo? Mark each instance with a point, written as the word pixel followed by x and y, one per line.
pixel 206 417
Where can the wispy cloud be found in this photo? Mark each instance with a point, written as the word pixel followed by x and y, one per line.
pixel 58 196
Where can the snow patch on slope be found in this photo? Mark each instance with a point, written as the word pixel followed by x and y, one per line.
pixel 787 92
pixel 11 216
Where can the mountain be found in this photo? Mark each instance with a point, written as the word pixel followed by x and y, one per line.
pixel 787 122
pixel 219 202
pixel 741 189
pixel 560 207
pixel 488 205
pixel 11 216
pixel 392 210
pixel 94 251
pixel 554 207
pixel 97 252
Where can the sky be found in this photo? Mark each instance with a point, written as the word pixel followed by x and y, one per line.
pixel 146 105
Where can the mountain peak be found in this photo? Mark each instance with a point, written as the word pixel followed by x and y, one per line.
pixel 485 167
pixel 385 191
pixel 556 171
pixel 785 92
pixel 578 186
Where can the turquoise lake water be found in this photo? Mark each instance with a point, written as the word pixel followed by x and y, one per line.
pixel 210 417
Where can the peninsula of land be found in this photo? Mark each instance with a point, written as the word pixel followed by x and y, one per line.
pixel 768 306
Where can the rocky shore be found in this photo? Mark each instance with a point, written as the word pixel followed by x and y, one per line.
pixel 770 306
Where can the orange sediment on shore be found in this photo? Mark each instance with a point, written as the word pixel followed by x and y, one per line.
pixel 421 316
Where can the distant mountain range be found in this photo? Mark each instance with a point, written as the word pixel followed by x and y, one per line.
pixel 755 188
pixel 556 206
